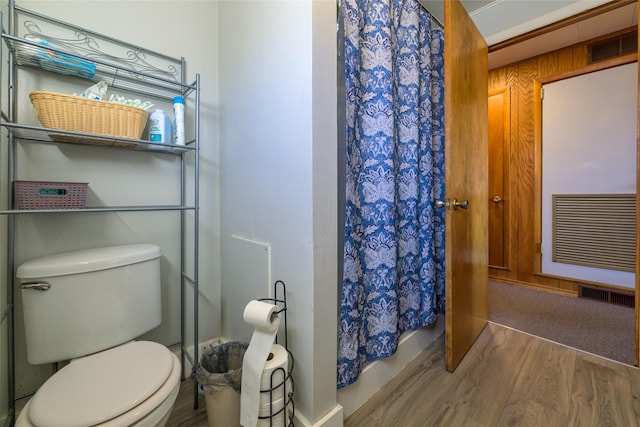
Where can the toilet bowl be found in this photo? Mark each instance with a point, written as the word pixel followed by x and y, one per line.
pixel 134 384
pixel 89 307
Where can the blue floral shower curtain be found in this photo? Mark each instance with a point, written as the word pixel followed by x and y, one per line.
pixel 394 237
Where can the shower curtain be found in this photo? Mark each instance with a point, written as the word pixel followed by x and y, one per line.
pixel 394 237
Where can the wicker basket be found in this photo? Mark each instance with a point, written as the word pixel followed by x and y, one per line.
pixel 67 112
pixel 50 195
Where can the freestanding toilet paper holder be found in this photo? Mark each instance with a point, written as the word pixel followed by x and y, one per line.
pixel 281 380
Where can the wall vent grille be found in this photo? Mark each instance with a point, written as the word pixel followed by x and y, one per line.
pixel 619 45
pixel 626 299
pixel 595 230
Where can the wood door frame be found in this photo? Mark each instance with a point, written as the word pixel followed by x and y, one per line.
pixel 537 141
pixel 506 91
pixel 636 346
pixel 537 125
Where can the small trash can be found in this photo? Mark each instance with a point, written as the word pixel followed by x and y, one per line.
pixel 220 378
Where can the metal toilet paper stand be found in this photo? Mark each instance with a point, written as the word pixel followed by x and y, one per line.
pixel 280 380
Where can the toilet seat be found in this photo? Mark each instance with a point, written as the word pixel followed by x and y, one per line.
pixel 97 388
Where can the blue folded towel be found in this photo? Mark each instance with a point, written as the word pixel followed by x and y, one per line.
pixel 63 63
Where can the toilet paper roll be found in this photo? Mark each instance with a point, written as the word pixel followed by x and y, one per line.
pixel 265 320
pixel 281 419
pixel 277 421
pixel 274 378
pixel 262 316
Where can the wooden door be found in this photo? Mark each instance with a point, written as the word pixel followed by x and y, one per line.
pixel 499 147
pixel 466 165
pixel 636 345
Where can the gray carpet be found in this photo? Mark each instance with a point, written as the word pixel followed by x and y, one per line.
pixel 596 327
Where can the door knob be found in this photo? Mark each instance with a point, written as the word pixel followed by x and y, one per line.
pixel 496 199
pixel 464 204
pixel 442 204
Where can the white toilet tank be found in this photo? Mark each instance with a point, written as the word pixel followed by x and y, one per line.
pixel 82 302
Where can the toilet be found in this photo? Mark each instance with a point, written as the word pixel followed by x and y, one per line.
pixel 88 307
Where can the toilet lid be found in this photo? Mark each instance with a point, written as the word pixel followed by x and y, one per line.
pixel 97 388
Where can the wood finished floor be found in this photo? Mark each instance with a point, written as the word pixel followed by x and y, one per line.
pixel 508 378
pixel 183 414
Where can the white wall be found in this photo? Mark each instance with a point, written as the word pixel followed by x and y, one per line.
pixel 273 63
pixel 588 147
pixel 176 28
pixel 278 171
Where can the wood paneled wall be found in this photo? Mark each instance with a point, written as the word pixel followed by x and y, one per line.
pixel 521 78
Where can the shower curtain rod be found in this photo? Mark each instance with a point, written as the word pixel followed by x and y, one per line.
pixel 436 20
pixel 424 3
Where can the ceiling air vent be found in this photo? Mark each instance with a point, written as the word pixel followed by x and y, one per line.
pixel 619 45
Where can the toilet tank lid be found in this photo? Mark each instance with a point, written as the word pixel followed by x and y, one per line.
pixel 87 260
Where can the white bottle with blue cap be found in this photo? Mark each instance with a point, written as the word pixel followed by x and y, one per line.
pixel 159 127
pixel 178 120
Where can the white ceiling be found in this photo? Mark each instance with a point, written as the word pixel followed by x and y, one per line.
pixel 500 20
